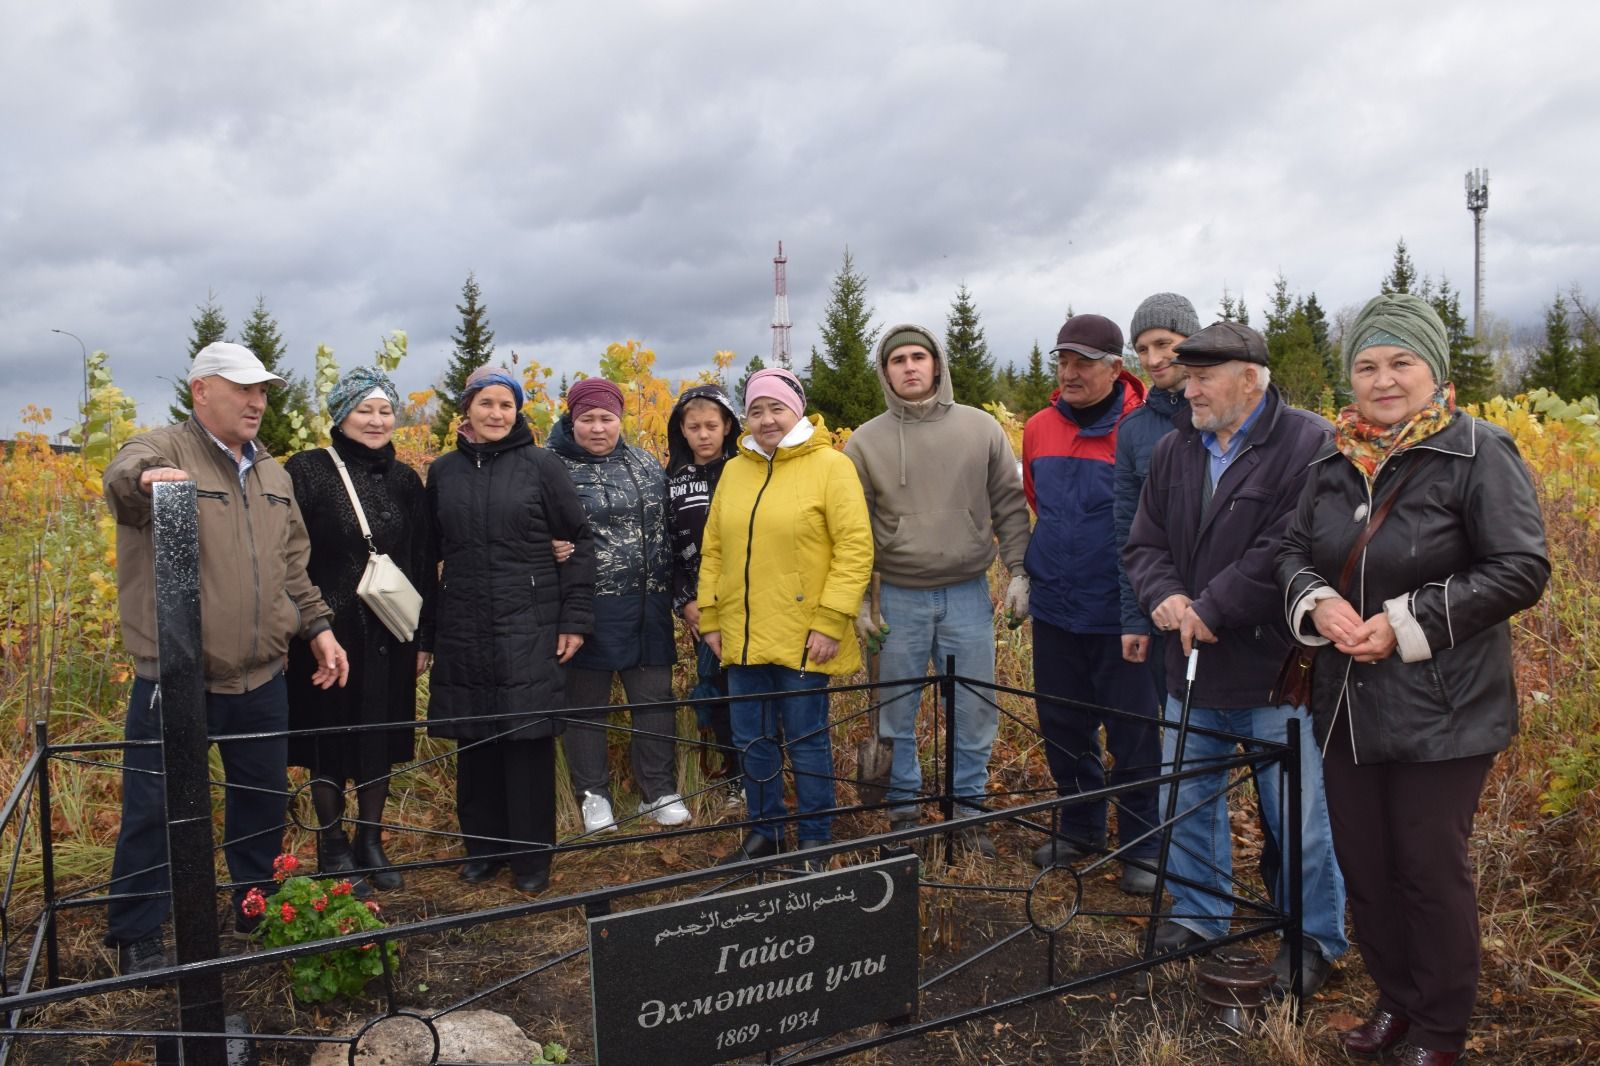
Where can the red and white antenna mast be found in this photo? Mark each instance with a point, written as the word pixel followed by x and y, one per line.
pixel 780 310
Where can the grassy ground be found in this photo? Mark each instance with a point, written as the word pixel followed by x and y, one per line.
pixel 1536 843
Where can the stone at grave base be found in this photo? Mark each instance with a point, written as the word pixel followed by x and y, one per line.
pixel 464 1036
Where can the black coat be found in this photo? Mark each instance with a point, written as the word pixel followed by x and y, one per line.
pixel 382 685
pixel 1223 556
pixel 502 599
pixel 624 494
pixel 1461 552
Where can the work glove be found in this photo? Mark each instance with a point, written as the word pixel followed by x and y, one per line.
pixel 1017 601
pixel 872 631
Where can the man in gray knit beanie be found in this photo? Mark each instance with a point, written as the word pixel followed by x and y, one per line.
pixel 1160 324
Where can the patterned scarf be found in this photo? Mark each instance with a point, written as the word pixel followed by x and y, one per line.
pixel 1368 445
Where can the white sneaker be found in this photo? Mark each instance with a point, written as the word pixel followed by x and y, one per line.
pixel 735 794
pixel 668 810
pixel 597 817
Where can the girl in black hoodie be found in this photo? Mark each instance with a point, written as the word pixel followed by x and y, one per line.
pixel 702 435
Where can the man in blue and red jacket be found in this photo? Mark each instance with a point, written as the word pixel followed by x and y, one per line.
pixel 1068 473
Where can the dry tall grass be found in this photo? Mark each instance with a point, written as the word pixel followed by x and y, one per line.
pixel 1537 843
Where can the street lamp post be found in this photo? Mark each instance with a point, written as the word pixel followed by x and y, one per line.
pixel 83 442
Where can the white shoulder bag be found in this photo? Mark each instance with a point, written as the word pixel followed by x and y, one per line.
pixel 384 587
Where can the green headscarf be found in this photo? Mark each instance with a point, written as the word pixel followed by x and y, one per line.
pixel 1405 320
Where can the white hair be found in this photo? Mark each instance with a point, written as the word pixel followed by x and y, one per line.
pixel 1263 376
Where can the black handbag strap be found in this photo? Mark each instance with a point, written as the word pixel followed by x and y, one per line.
pixel 1349 570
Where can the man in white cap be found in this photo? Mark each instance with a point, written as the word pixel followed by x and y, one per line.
pixel 255 597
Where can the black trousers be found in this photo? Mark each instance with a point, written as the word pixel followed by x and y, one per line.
pixel 1089 667
pixel 506 801
pixel 1400 831
pixel 254 801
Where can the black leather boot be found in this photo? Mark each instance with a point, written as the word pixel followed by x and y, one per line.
pixel 369 853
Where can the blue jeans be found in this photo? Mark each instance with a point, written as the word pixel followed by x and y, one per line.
pixel 711 682
pixel 929 625
pixel 254 802
pixel 1203 836
pixel 804 717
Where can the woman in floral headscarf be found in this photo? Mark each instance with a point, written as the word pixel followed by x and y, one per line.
pixel 1417 537
pixel 383 669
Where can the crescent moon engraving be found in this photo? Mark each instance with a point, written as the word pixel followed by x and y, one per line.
pixel 888 893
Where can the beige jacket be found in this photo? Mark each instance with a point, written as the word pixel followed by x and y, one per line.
pixel 941 484
pixel 254 592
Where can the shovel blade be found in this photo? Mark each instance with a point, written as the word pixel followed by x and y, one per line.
pixel 874 760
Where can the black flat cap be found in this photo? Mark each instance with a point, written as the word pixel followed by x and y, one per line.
pixel 1092 336
pixel 1221 342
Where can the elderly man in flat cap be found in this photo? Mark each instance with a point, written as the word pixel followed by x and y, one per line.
pixel 1201 556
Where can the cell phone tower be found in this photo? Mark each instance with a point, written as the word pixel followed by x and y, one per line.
pixel 1478 204
pixel 780 310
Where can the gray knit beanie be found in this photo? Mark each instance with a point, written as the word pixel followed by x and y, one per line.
pixel 1164 310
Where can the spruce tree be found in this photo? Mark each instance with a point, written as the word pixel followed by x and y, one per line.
pixel 1555 367
pixel 208 326
pixel 261 336
pixel 844 385
pixel 967 352
pixel 1402 274
pixel 1296 364
pixel 1279 309
pixel 1588 345
pixel 1321 339
pixel 1005 387
pixel 751 367
pixel 1300 373
pixel 1033 391
pixel 474 345
pixel 1470 368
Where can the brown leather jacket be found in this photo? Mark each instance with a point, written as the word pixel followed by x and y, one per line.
pixel 254 592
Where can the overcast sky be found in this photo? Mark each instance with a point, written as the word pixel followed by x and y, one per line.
pixel 617 170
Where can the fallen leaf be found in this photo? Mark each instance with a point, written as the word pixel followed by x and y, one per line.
pixel 1343 1021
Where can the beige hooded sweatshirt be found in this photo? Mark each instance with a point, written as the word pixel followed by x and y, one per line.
pixel 941 483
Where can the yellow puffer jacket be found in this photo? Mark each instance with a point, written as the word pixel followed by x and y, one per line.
pixel 787 549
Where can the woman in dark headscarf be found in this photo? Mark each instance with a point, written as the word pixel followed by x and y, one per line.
pixel 507 619
pixel 624 493
pixel 383 668
pixel 1416 539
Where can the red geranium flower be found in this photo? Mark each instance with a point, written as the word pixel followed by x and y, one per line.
pixel 320 903
pixel 284 865
pixel 287 913
pixel 372 905
pixel 254 904
pixel 340 889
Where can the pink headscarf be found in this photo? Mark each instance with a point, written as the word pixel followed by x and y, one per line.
pixel 775 383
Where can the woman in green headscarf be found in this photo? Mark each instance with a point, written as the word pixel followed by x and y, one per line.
pixel 1416 539
pixel 383 668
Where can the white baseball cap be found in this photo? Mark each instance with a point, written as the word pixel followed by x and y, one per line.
pixel 232 361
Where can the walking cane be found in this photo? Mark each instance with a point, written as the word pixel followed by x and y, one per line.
pixel 1172 803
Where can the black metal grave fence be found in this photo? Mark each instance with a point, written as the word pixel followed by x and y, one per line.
pixel 1036 938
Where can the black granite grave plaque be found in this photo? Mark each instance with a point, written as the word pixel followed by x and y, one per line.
pixel 724 977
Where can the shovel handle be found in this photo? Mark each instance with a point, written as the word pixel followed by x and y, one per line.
pixel 876 607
